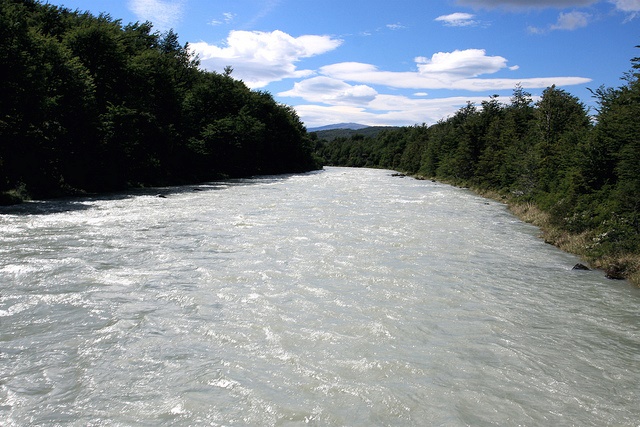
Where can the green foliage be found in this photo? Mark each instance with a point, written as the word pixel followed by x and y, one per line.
pixel 583 171
pixel 88 104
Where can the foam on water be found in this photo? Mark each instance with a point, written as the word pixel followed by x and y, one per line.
pixel 342 297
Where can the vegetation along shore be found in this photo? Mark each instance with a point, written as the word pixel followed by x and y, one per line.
pixel 574 173
pixel 88 104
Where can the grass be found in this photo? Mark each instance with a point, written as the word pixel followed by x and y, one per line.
pixel 14 196
pixel 618 266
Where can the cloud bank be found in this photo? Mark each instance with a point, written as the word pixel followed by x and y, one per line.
pixel 444 70
pixel 347 90
pixel 353 91
pixel 259 58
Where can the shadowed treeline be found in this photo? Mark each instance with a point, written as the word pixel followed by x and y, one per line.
pixel 90 104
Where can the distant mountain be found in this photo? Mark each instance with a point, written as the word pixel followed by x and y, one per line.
pixel 367 132
pixel 352 126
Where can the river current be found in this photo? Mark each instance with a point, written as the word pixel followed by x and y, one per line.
pixel 344 297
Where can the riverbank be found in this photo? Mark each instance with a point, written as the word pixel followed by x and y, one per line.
pixel 620 266
pixel 624 266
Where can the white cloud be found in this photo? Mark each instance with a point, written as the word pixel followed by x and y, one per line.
pixel 369 74
pixel 526 4
pixel 566 21
pixel 627 5
pixel 352 90
pixel 460 63
pixel 164 14
pixel 397 26
pixel 330 97
pixel 259 58
pixel 363 104
pixel 386 110
pixel 458 19
pixel 631 7
pixel 331 91
pixel 227 18
pixel 571 21
pixel 444 70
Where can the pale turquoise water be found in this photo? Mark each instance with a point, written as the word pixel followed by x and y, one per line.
pixel 343 297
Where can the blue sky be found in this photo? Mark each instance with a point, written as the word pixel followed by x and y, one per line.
pixel 398 62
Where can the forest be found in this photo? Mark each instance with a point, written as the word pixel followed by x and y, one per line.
pixel 88 104
pixel 571 171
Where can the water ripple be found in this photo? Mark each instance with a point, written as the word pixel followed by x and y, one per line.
pixel 343 297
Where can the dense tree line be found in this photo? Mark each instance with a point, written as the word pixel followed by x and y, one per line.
pixel 582 170
pixel 90 104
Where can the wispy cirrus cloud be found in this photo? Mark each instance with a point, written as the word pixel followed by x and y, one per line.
pixel 227 18
pixel 164 14
pixel 571 21
pixel 526 4
pixel 259 58
pixel 396 26
pixel 460 63
pixel 459 69
pixel 566 22
pixel 630 7
pixel 458 19
pixel 267 8
pixel 627 5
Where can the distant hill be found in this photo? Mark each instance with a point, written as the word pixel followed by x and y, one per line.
pixel 369 132
pixel 354 126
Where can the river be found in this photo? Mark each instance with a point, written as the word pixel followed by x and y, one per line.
pixel 343 297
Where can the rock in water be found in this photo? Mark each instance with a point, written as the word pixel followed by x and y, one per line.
pixel 579 266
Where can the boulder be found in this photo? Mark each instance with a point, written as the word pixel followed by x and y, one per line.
pixel 615 272
pixel 579 266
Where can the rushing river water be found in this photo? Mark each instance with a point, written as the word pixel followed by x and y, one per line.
pixel 345 297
